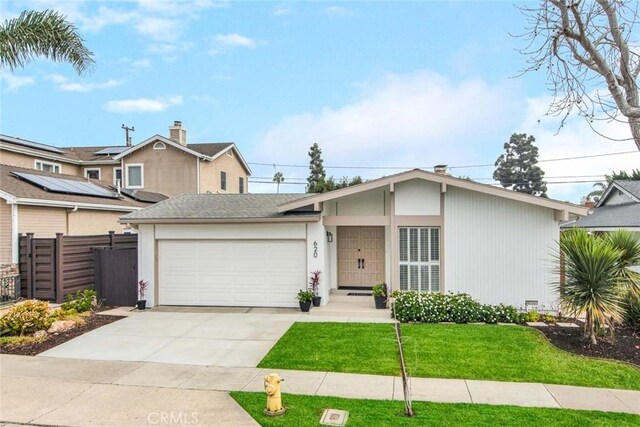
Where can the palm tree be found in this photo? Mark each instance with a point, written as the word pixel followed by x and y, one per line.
pixel 42 33
pixel 629 244
pixel 278 177
pixel 592 275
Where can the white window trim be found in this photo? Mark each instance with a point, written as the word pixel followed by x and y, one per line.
pixel 44 162
pixel 86 172
pixel 159 146
pixel 419 263
pixel 230 152
pixel 226 181
pixel 115 180
pixel 127 166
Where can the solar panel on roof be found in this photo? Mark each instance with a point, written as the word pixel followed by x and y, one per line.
pixel 31 144
pixel 66 186
pixel 112 150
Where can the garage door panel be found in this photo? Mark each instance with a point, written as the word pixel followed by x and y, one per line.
pixel 246 273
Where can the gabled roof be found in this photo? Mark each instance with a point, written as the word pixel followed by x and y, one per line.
pixel 439 178
pixel 631 188
pixel 220 208
pixel 158 138
pixel 625 215
pixel 20 191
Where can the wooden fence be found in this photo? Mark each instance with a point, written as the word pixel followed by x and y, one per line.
pixel 51 268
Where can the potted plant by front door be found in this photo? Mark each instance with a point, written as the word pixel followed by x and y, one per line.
pixel 305 298
pixel 380 295
pixel 314 285
pixel 142 289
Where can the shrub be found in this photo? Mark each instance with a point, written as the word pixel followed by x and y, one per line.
pixel 26 318
pixel 81 301
pixel 458 308
pixel 531 316
pixel 631 305
pixel 379 290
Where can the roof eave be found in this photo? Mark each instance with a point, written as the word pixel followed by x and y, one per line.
pixel 300 219
pixel 438 178
pixel 163 139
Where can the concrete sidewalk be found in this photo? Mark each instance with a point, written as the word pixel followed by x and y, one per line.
pixel 118 378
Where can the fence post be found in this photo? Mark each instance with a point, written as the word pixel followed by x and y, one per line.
pixel 112 239
pixel 59 261
pixel 30 261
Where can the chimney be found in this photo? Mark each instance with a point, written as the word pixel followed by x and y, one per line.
pixel 177 134
pixel 590 204
pixel 440 169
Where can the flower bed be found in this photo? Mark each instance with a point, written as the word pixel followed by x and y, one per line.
pixel 457 308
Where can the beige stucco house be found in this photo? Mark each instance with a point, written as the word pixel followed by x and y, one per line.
pixel 416 230
pixel 139 174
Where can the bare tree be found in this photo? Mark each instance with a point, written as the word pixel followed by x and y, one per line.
pixel 583 45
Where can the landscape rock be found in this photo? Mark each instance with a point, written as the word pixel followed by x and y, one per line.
pixel 61 326
pixel 40 334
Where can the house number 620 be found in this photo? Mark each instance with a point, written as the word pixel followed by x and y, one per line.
pixel 315 249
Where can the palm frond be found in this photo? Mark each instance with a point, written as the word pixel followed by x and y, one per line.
pixel 42 33
pixel 629 245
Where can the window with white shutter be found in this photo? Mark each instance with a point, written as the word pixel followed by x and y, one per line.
pixel 419 259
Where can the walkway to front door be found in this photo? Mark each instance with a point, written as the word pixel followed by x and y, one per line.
pixel 360 256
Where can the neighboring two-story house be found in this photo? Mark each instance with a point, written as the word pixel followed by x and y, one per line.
pixel 84 190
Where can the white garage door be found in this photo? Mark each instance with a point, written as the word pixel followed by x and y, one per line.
pixel 260 273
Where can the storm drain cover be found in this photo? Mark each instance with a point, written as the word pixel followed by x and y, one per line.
pixel 334 417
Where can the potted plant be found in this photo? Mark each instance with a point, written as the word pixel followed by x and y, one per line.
pixel 305 298
pixel 142 289
pixel 313 285
pixel 380 295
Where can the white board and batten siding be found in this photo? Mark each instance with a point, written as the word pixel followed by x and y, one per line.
pixel 499 250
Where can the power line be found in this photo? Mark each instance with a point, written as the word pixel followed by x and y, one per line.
pixel 590 156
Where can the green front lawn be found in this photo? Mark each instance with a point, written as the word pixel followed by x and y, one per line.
pixel 307 410
pixel 483 352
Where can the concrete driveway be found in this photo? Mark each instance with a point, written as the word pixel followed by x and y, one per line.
pixel 206 339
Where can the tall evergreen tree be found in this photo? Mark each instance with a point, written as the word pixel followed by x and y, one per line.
pixel 317 174
pixel 517 167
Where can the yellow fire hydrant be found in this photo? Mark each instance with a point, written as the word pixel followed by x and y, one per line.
pixel 274 397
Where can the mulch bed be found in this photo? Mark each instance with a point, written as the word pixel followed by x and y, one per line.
pixel 624 346
pixel 91 323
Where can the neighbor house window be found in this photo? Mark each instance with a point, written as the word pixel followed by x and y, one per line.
pixel 241 185
pixel 43 166
pixel 223 181
pixel 117 176
pixel 135 176
pixel 230 153
pixel 419 259
pixel 93 173
pixel 159 146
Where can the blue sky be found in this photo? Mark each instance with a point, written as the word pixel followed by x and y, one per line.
pixel 384 84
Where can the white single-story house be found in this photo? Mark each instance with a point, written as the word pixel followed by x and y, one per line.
pixel 415 230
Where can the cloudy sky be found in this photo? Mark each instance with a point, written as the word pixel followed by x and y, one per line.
pixel 379 86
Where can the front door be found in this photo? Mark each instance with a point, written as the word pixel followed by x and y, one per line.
pixel 360 256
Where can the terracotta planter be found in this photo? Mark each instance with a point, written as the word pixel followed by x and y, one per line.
pixel 305 306
pixel 142 304
pixel 381 302
pixel 316 301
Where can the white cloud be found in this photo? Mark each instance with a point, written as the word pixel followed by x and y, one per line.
pixel 281 10
pixel 235 40
pixel 63 84
pixel 338 12
pixel 159 28
pixel 409 120
pixel 13 82
pixel 576 139
pixel 141 64
pixel 143 105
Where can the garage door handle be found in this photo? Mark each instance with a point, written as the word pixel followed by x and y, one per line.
pixel 362 262
pixel 359 262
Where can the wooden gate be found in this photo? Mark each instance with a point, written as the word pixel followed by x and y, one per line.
pixel 51 268
pixel 116 275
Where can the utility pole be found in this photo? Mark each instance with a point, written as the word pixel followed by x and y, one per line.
pixel 127 138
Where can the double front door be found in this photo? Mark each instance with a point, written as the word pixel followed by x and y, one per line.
pixel 360 256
